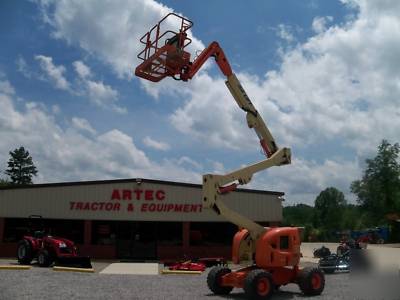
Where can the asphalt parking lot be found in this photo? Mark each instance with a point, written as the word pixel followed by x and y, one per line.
pixel 44 283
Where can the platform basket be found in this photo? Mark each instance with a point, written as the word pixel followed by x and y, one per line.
pixel 163 52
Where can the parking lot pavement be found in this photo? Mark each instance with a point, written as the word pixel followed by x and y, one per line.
pixel 98 265
pixel 43 283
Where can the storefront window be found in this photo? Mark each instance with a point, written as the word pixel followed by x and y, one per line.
pixel 16 228
pixel 211 233
pixel 169 233
pixel 104 232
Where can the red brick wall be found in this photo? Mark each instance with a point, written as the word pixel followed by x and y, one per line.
pixel 8 249
pixel 164 252
pixel 98 251
pixel 1 229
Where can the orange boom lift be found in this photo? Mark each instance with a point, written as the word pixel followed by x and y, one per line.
pixel 273 252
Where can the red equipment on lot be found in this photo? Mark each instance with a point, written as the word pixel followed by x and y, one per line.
pixel 47 249
pixel 196 264
pixel 274 253
pixel 212 261
pixel 188 266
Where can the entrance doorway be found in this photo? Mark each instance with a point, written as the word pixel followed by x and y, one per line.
pixel 136 240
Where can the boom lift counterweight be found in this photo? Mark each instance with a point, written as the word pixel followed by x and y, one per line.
pixel 275 251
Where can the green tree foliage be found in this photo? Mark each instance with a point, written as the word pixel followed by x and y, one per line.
pixel 354 218
pixel 378 192
pixel 3 182
pixel 329 206
pixel 20 167
pixel 298 215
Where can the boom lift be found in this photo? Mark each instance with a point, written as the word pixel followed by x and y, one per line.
pixel 275 252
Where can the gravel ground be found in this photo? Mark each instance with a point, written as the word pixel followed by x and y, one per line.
pixel 44 283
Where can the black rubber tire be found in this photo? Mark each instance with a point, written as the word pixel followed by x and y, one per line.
pixel 251 284
pixel 24 252
pixel 213 280
pixel 304 281
pixel 44 258
pixel 329 271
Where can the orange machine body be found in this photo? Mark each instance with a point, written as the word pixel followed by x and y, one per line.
pixel 277 250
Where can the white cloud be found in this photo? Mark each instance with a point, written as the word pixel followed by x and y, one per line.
pixel 103 95
pixel 55 109
pixel 149 142
pixel 285 33
pixel 108 30
pixel 22 67
pixel 218 167
pixel 82 69
pixel 184 160
pixel 53 73
pixel 83 124
pixel 6 87
pixel 340 86
pixel 212 115
pixel 99 93
pixel 65 154
pixel 303 180
pixel 319 23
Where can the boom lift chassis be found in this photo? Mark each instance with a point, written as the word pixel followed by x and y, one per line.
pixel 275 252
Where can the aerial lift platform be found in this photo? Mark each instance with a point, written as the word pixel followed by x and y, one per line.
pixel 274 252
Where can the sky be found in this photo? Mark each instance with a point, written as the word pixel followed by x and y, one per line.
pixel 323 74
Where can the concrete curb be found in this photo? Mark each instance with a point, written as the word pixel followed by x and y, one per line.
pixel 11 267
pixel 67 269
pixel 180 272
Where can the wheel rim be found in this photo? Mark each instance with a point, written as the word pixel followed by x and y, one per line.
pixel 316 281
pixel 263 286
pixel 21 252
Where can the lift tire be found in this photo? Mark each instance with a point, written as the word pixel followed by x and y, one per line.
pixel 214 280
pixel 258 285
pixel 24 252
pixel 44 258
pixel 311 281
pixel 329 271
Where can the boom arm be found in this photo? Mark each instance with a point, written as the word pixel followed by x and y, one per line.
pixel 215 186
pixel 254 120
pixel 172 60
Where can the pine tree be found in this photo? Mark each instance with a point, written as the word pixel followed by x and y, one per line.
pixel 21 167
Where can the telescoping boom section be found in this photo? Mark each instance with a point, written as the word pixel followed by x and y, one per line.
pixel 163 56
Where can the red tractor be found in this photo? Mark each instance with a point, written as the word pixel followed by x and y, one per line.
pixel 47 249
pixel 274 253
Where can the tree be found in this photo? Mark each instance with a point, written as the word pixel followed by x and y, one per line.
pixel 329 208
pixel 21 167
pixel 378 192
pixel 3 182
pixel 298 215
